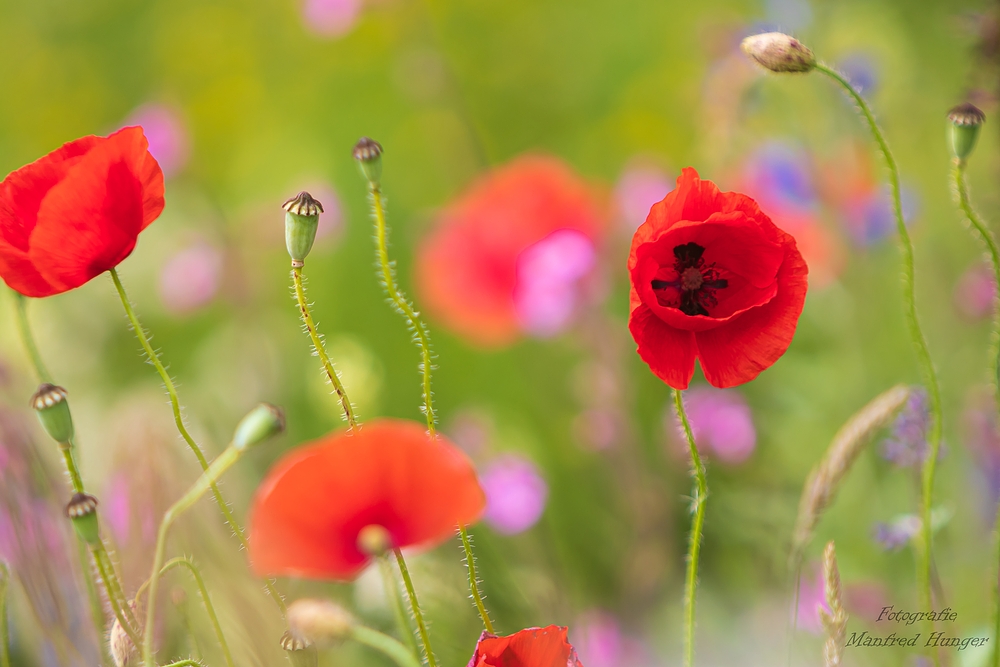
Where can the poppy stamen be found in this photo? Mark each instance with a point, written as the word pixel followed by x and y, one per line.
pixel 374 540
pixel 696 282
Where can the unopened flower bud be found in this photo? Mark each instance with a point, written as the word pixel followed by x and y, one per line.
pixel 301 653
pixel 122 648
pixel 82 511
pixel 258 425
pixel 779 52
pixel 52 408
pixel 966 119
pixel 374 540
pixel 301 220
pixel 319 621
pixel 368 153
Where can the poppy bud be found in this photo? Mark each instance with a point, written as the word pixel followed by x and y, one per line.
pixel 301 220
pixel 122 648
pixel 52 409
pixel 301 653
pixel 82 511
pixel 258 425
pixel 319 621
pixel 966 119
pixel 779 52
pixel 374 540
pixel 368 153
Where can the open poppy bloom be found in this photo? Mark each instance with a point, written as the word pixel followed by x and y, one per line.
pixel 714 279
pixel 319 501
pixel 507 257
pixel 77 212
pixel 534 647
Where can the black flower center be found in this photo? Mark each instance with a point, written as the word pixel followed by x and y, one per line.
pixel 696 282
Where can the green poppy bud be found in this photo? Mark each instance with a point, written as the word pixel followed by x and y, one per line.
pixel 82 511
pixel 779 52
pixel 258 425
pixel 368 153
pixel 966 119
pixel 301 220
pixel 300 652
pixel 52 408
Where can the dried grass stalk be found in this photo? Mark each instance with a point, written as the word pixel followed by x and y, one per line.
pixel 835 621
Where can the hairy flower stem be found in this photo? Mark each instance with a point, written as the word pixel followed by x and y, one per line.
pixel 175 404
pixel 961 191
pixel 392 589
pixel 386 644
pixel 317 341
pixel 919 346
pixel 108 578
pixel 421 337
pixel 415 608
pixel 128 622
pixel 207 481
pixel 199 581
pixel 4 630
pixel 694 544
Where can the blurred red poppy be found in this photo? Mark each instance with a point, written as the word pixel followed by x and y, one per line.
pixel 714 279
pixel 77 212
pixel 534 647
pixel 311 508
pixel 468 267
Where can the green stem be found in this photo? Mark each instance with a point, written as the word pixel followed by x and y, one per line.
pixel 4 629
pixel 175 404
pixel 116 587
pixel 919 344
pixel 96 608
pixel 420 335
pixel 317 341
pixel 986 236
pixel 113 598
pixel 694 543
pixel 392 589
pixel 71 467
pixel 384 643
pixel 470 561
pixel 185 663
pixel 415 608
pixel 183 561
pixel 29 340
pixel 201 486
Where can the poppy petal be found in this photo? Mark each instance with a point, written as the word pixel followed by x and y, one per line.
pixel 668 351
pixel 738 351
pixel 532 647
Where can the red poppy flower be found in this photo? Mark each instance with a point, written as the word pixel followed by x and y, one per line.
pixel 77 212
pixel 468 269
pixel 534 647
pixel 714 279
pixel 308 513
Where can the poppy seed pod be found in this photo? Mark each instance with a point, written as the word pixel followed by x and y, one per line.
pixel 319 621
pixel 301 653
pixel 82 511
pixel 258 425
pixel 301 221
pixel 52 408
pixel 966 119
pixel 368 153
pixel 779 52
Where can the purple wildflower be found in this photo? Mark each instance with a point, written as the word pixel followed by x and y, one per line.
pixel 721 422
pixel 515 494
pixel 549 275
pixel 907 445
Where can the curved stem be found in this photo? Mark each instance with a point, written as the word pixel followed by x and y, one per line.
pixel 185 663
pixel 392 589
pixel 420 334
pixel 415 608
pixel 919 344
pixel 694 543
pixel 385 644
pixel 204 483
pixel 986 236
pixel 113 597
pixel 29 340
pixel 421 337
pixel 184 561
pixel 470 561
pixel 175 404
pixel 317 341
